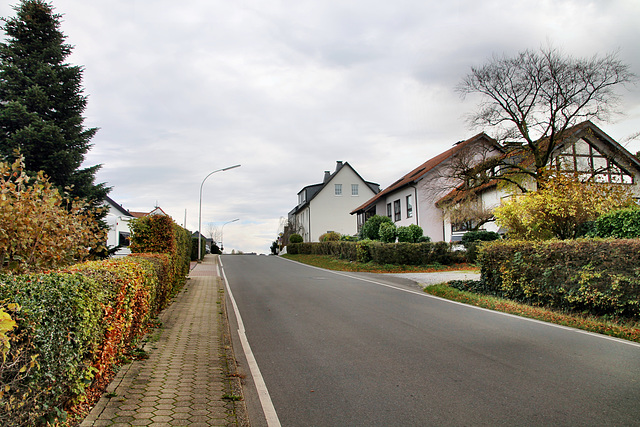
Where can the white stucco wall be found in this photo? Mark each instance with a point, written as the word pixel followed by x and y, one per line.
pixel 329 212
pixel 117 223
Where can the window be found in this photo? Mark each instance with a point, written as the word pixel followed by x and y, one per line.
pixel 396 210
pixel 123 238
pixel 462 226
pixel 354 189
pixel 585 160
pixel 389 210
pixel 409 206
pixel 338 189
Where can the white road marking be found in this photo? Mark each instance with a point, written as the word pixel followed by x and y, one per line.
pixel 424 294
pixel 263 393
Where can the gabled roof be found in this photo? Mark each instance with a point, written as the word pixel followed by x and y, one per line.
pixel 569 136
pixel 315 189
pixel 416 174
pixel 116 206
pixel 156 211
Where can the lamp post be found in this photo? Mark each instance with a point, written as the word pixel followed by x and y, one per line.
pixel 222 233
pixel 200 208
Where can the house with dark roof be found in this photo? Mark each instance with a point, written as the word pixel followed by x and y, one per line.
pixel 117 219
pixel 584 150
pixel 326 206
pixel 412 198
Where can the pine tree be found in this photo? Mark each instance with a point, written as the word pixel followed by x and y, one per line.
pixel 42 101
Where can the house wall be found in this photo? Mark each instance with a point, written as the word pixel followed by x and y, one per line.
pixel 490 199
pixel 117 223
pixel 332 213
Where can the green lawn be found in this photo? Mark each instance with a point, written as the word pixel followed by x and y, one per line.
pixel 615 328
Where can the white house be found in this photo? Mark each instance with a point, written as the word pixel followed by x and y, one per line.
pixel 412 198
pixel 326 206
pixel 418 197
pixel 117 219
pixel 586 150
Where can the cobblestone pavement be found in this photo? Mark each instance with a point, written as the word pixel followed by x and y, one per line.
pixel 184 381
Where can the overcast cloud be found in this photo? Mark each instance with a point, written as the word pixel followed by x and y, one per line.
pixel 287 88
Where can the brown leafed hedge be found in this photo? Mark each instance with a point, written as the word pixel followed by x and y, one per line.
pixel 601 277
pixel 62 333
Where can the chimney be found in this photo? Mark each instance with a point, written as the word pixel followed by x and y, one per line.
pixel 327 176
pixel 338 165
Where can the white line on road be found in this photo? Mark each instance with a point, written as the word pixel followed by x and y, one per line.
pixel 423 294
pixel 263 394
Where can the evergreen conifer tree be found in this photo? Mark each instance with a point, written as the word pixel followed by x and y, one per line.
pixel 42 101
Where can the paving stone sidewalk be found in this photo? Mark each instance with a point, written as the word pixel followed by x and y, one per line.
pixel 184 380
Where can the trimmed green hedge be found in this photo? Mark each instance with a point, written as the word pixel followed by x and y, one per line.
pixel 426 253
pixel 60 324
pixel 73 326
pixel 621 224
pixel 160 234
pixel 601 277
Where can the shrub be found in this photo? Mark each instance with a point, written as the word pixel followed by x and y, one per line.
pixel 295 238
pixel 472 241
pixel 388 232
pixel 621 224
pixel 371 228
pixel 410 234
pixel 560 208
pixel 601 277
pixel 479 236
pixel 330 236
pixel 363 251
pixel 39 228
pixel 160 234
pixel 71 329
pixel 59 325
pixel 382 253
pixel 194 248
pixel 134 294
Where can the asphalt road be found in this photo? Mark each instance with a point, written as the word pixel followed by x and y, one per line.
pixel 341 349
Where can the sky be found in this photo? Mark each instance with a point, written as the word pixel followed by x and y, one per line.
pixel 287 88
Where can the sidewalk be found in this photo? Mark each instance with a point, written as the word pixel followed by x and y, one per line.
pixel 186 379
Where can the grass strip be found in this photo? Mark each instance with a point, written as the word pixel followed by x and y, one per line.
pixel 332 263
pixel 618 329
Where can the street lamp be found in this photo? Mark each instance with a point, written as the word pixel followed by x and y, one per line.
pixel 200 208
pixel 222 232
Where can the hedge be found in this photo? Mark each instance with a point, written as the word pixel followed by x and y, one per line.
pixel 59 320
pixel 160 234
pixel 621 224
pixel 67 330
pixel 383 253
pixel 601 277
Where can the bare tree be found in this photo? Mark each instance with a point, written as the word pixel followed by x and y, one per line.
pixel 533 98
pixel 213 232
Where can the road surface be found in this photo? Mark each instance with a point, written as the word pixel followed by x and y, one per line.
pixel 342 349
